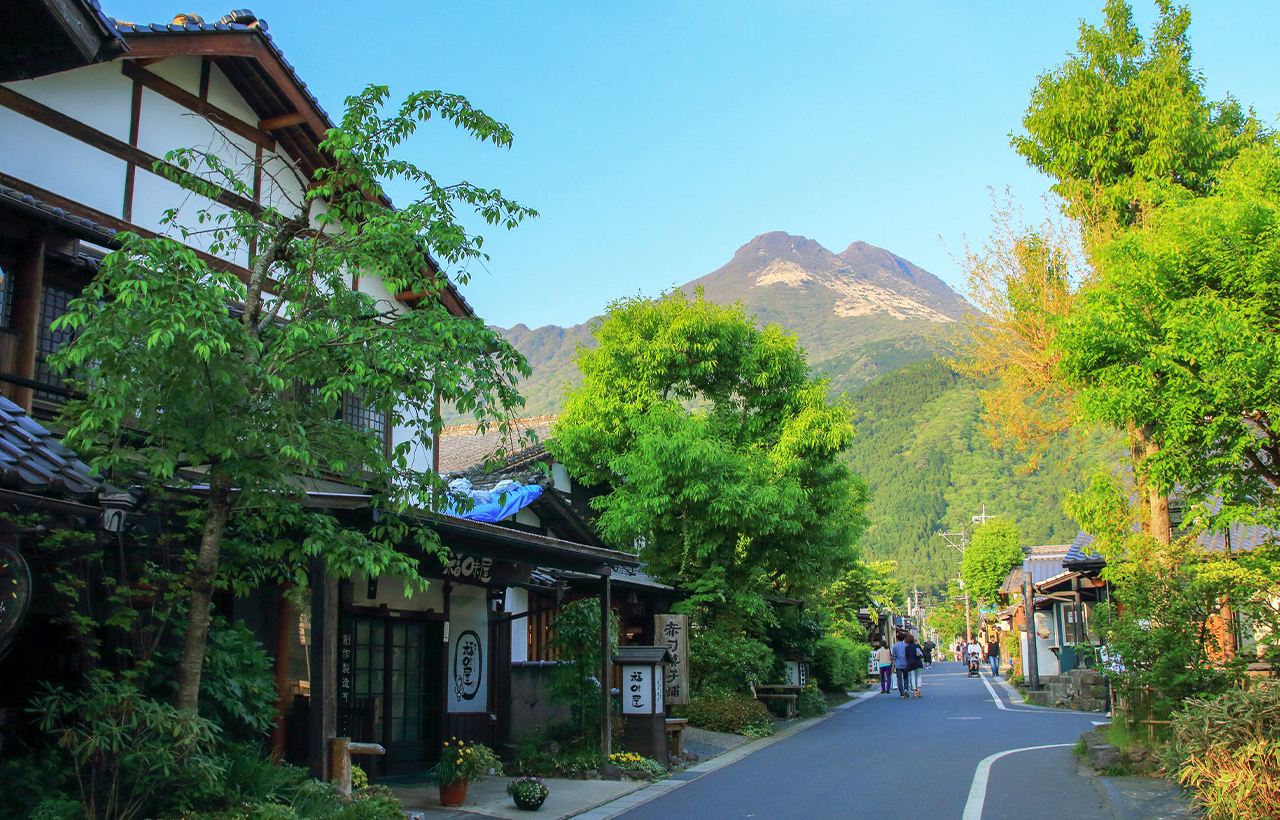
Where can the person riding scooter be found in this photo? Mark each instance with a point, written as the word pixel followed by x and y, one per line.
pixel 973 652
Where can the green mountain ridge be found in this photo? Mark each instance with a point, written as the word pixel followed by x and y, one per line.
pixel 873 323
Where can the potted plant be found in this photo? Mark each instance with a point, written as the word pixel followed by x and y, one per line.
pixel 528 793
pixel 460 763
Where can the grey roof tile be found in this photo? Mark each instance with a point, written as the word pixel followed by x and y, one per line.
pixel 33 460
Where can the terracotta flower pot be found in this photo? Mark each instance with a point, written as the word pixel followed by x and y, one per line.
pixel 453 794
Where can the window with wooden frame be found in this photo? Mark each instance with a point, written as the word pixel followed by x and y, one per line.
pixel 55 300
pixel 541 619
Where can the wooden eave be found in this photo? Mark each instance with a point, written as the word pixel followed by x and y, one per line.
pixel 258 73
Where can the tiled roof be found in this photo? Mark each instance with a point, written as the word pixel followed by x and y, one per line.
pixel 30 204
pixel 1246 537
pixel 464 447
pixel 225 24
pixel 34 461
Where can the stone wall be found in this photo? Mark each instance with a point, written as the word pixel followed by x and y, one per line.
pixel 1082 689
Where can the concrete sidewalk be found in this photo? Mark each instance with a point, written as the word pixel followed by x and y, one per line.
pixel 594 799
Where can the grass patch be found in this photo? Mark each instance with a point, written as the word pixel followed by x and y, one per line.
pixel 1081 748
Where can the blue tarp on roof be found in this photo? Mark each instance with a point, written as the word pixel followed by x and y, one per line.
pixel 499 505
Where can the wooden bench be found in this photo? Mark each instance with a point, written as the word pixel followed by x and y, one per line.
pixel 675 728
pixel 786 693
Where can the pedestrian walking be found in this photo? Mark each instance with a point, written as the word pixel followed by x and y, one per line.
pixel 993 653
pixel 900 666
pixel 915 661
pixel 929 647
pixel 884 660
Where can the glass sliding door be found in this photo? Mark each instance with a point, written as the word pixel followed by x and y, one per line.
pixel 395 667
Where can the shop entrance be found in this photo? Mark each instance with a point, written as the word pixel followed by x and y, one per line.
pixel 389 682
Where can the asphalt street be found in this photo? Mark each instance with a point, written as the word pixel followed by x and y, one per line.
pixel 888 757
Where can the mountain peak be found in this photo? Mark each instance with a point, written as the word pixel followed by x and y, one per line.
pixel 862 281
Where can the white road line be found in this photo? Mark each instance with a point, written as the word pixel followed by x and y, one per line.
pixel 978 791
pixel 999 703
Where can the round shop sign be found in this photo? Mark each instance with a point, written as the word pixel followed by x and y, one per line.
pixel 468 663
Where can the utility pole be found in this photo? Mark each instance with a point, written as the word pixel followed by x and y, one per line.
pixel 1033 643
pixel 959 540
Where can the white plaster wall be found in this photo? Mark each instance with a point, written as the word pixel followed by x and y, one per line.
pixel 53 161
pixel 421 449
pixel 526 517
pixel 97 95
pixel 560 478
pixel 391 593
pixel 518 601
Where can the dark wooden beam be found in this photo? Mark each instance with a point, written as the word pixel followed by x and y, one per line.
pixel 131 170
pixel 119 225
pixel 206 68
pixel 28 290
pixel 236 43
pixel 157 47
pixel 106 143
pixel 200 106
pixel 282 121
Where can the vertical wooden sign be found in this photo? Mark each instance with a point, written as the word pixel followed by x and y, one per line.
pixel 672 631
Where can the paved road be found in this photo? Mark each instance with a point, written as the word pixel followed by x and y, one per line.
pixel 888 758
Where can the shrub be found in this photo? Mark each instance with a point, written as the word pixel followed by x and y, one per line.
pixel 130 755
pixel 810 702
pixel 1227 749
pixel 237 688
pixel 633 763
pixel 720 659
pixel 840 665
pixel 722 712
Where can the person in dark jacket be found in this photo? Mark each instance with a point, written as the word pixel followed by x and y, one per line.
pixel 928 647
pixel 915 661
pixel 993 653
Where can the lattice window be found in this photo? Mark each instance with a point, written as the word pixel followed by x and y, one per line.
pixel 53 303
pixel 360 415
pixel 6 294
pixel 541 629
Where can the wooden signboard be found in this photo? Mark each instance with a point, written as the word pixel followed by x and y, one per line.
pixel 672 631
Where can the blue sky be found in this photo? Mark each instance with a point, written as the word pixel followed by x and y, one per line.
pixel 656 138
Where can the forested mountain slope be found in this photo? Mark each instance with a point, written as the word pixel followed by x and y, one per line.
pixel 930 467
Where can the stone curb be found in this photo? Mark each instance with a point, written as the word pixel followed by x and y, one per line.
pixel 618 805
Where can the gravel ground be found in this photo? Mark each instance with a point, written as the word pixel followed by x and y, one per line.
pixel 709 744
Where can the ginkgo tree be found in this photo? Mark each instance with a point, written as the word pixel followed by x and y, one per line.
pixel 231 387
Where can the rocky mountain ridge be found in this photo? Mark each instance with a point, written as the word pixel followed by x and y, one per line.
pixel 858 314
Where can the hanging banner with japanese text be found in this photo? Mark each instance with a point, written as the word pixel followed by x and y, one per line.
pixel 468 651
pixel 672 631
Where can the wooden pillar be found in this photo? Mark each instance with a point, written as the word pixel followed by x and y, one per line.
pixel 28 291
pixel 324 667
pixel 447 592
pixel 606 664
pixel 285 624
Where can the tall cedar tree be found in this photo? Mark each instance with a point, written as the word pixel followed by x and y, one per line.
pixel 197 380
pixel 721 454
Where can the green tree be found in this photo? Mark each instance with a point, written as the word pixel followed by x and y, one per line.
pixel 1124 129
pixel 196 379
pixel 720 453
pixel 1179 334
pixel 991 554
pixel 576 681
